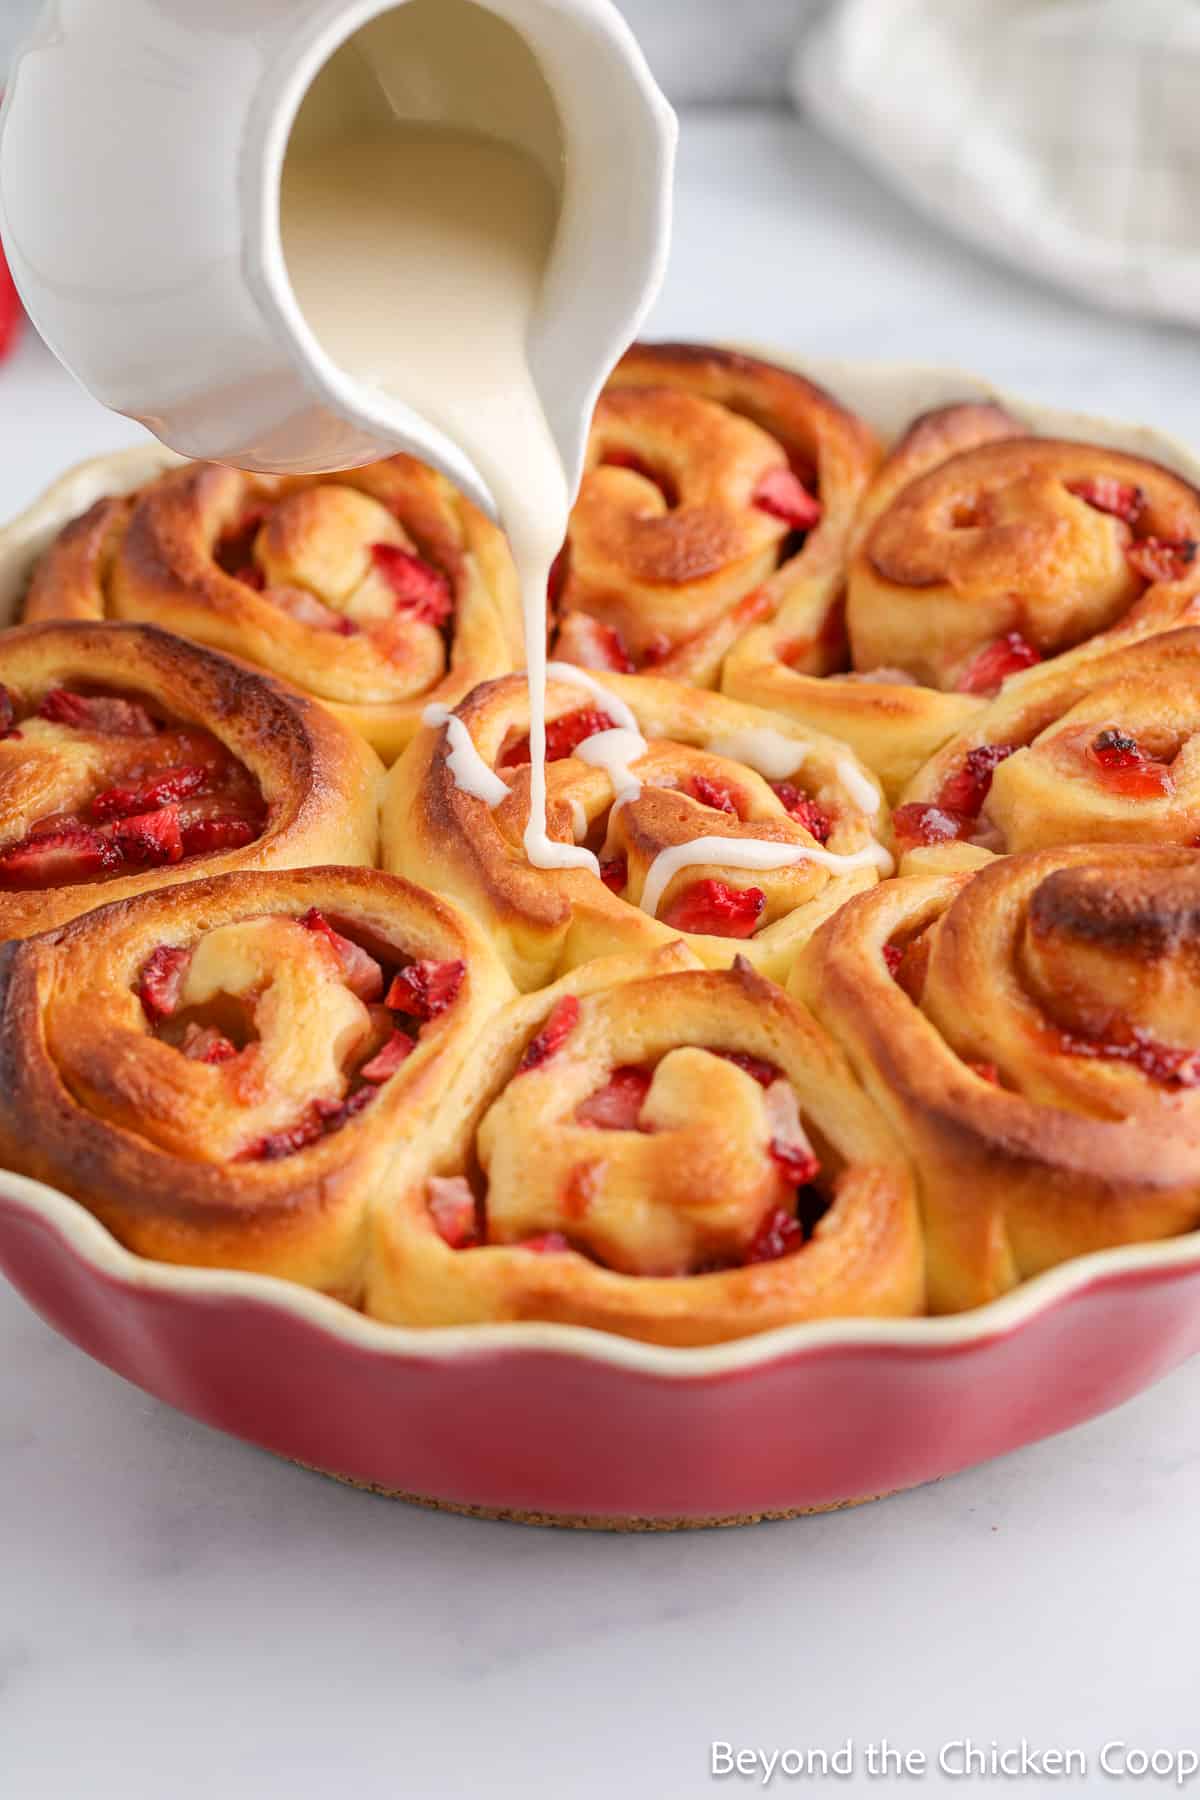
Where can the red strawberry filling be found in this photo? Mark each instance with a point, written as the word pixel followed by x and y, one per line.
pixel 992 667
pixel 204 1043
pixel 425 989
pixel 782 494
pixel 589 644
pixel 421 591
pixel 151 839
pixel 1122 499
pixel 986 1071
pixel 893 956
pixel 777 1236
pixel 1123 766
pixel 563 736
pixel 161 981
pixel 321 1120
pixel 55 857
pixel 1162 559
pixel 966 790
pixel 716 909
pixel 102 713
pixel 714 794
pixel 797 1161
pixel 203 837
pixel 616 1106
pixel 550 1243
pixel 563 1019
pixel 453 1211
pixel 757 1067
pixel 361 973
pixel 806 812
pixel 8 713
pixel 924 822
pixel 1166 1063
pixel 125 802
pixel 614 873
pixel 385 1062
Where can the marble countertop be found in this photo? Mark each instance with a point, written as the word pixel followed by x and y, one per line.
pixel 182 1616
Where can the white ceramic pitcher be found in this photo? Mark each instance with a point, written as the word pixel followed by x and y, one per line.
pixel 141 150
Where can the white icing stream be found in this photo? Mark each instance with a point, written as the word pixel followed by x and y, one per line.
pixel 471 774
pixel 750 853
pixel 776 757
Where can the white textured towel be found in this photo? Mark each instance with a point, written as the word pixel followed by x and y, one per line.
pixel 1063 134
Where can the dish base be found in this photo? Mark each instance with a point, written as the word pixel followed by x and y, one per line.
pixel 586 1521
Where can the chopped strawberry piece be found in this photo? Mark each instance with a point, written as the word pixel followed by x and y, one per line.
pixel 96 712
pixel 616 1106
pixel 151 839
pixel 563 736
pixel 161 981
pixel 8 712
pixel 614 873
pixel 757 1067
pixel 714 794
pixel 204 1043
pixel 1122 499
pixel 1167 1063
pixel 425 989
pixel 550 1243
pixel 1162 559
pixel 54 858
pixel 385 1062
pixel 966 790
pixel 782 494
pixel 657 650
pixel 563 1019
pixel 11 314
pixel 1123 765
pixel 123 803
pixel 421 590
pixel 589 644
pixel 252 577
pixel 893 956
pixel 203 836
pixel 280 1144
pixel 806 812
pixel 986 1071
pixel 923 822
pixel 453 1211
pixel 797 1161
pixel 777 1236
pixel 361 973
pixel 715 908
pixel 992 667
pixel 336 1113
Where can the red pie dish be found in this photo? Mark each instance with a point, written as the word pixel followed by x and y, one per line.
pixel 493 1357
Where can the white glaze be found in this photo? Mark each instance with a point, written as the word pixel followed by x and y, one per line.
pixel 615 752
pixel 471 773
pixel 614 706
pixel 776 757
pixel 750 853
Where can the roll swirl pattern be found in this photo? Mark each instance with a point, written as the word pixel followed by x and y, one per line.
pixel 131 759
pixel 221 1072
pixel 377 590
pixel 1031 1032
pixel 980 552
pixel 656 779
pixel 675 1154
pixel 719 490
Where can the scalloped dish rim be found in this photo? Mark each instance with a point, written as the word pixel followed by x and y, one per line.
pixel 887 394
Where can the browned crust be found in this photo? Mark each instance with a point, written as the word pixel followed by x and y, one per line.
pixel 302 1216
pixel 319 780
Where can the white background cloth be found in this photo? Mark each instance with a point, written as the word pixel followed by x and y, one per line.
pixel 1064 134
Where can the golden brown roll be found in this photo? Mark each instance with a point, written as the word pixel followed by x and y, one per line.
pixel 1032 1034
pixel 704 768
pixel 676 1154
pixel 222 1072
pixel 130 759
pixel 1098 750
pixel 719 490
pixel 377 590
pixel 980 552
